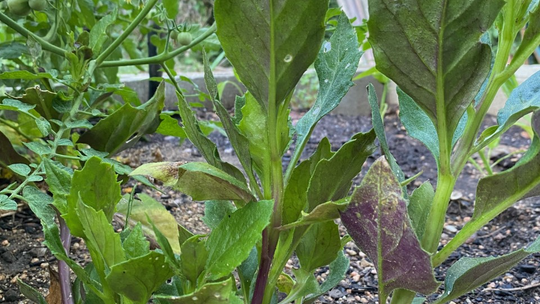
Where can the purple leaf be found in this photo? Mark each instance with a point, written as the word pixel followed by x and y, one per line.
pixel 377 221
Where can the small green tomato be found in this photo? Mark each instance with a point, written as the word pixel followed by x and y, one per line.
pixel 19 7
pixel 38 5
pixel 184 38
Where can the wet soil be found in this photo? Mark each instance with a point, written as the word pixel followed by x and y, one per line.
pixel 24 257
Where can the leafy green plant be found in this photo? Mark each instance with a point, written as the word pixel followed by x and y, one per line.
pixel 260 216
pixel 448 75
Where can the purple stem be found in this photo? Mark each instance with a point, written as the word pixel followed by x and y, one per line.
pixel 63 269
pixel 262 277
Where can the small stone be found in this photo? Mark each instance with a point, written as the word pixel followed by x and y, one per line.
pixel 527 268
pixel 34 260
pixel 11 295
pixel 5 243
pixel 363 300
pixel 38 252
pixel 228 151
pixel 8 257
pixel 44 265
pixel 450 228
pixel 456 195
pixel 350 252
pixel 75 246
pixel 336 293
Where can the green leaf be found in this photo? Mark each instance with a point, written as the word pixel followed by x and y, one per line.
pixel 31 293
pixel 338 269
pixel 194 258
pixel 426 50
pixel 170 127
pixel 171 7
pixel 202 181
pixel 378 126
pixel 231 242
pixel 319 246
pixel 138 278
pixel 254 127
pixel 125 126
pixel 322 213
pixel 306 284
pixel 166 247
pixel 40 203
pixel 216 211
pixel 59 182
pixel 271 52
pixel 99 235
pixel 6 203
pixel 247 272
pixel 470 273
pixel 419 206
pixel 21 169
pixel 335 65
pixel 87 12
pixel 12 50
pixel 377 221
pixel 99 32
pixel 332 178
pixel 210 293
pixel 38 148
pixel 136 245
pixel 531 37
pixel 146 207
pixel 418 124
pixel 523 100
pixel 97 186
pixel 42 99
pixel 295 194
pixel 25 75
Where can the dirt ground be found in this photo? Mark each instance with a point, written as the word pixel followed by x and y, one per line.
pixel 23 256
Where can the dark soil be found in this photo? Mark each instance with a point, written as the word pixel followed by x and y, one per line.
pixel 24 257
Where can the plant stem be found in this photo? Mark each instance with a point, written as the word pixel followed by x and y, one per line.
pixel 26 33
pixel 485 161
pixel 161 57
pixel 116 43
pixel 63 269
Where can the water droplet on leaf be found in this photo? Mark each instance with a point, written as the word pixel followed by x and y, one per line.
pixel 288 58
pixel 327 46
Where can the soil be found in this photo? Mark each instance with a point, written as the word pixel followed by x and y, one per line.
pixel 24 257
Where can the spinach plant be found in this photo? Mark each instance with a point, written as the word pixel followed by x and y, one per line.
pixel 448 73
pixel 261 215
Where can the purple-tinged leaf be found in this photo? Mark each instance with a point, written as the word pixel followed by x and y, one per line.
pixel 378 223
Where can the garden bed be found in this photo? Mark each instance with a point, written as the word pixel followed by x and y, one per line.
pixel 23 256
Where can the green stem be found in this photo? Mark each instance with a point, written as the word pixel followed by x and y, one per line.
pixel 158 59
pixel 116 43
pixel 478 222
pixel 26 33
pixel 485 161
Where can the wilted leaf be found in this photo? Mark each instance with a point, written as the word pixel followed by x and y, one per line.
pixel 231 242
pixel 148 208
pixel 377 221
pixel 202 181
pixel 271 52
pixel 426 50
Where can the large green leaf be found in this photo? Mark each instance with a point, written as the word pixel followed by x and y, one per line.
pixel 100 236
pixel 270 42
pixel 146 208
pixel 99 32
pixel 194 257
pixel 319 246
pixel 333 177
pixel 426 49
pixel 295 195
pixel 216 211
pixel 210 293
pixel 59 181
pixel 469 273
pixel 335 66
pixel 125 126
pixel 202 181
pixel 138 278
pixel 135 244
pixel 378 223
pixel 97 186
pixel 231 242
pixel 40 203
